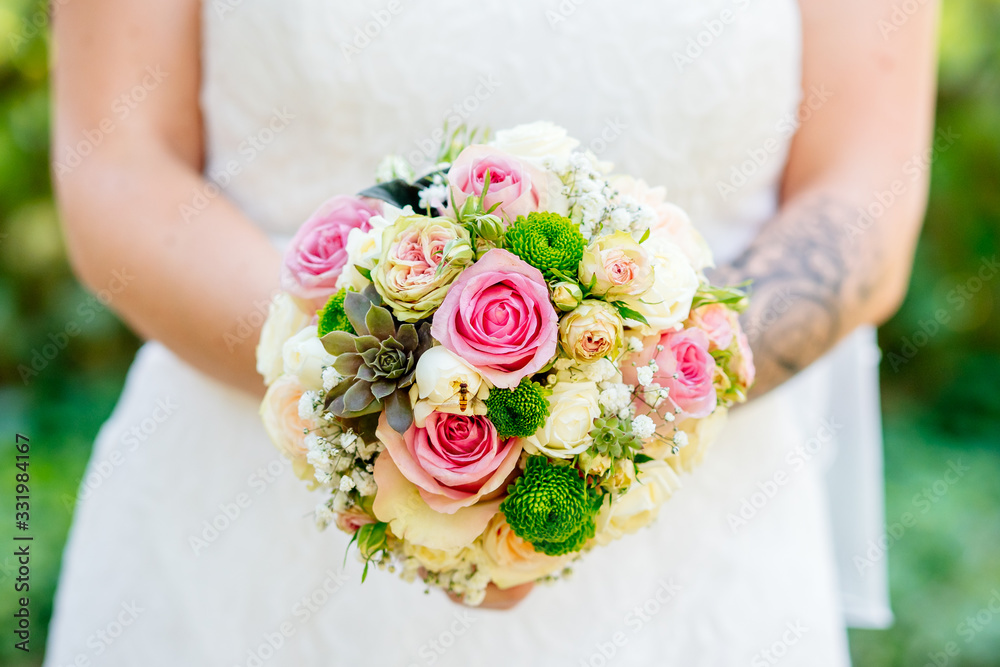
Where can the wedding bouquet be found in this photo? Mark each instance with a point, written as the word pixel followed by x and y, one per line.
pixel 489 369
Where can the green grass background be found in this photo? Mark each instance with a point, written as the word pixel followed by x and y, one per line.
pixel 942 405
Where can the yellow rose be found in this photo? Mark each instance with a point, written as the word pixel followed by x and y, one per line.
pixel 626 514
pixel 510 560
pixel 701 433
pixel 617 266
pixel 593 330
pixel 435 560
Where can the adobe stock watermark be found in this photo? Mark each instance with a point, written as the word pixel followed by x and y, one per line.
pixel 912 169
pixel 248 149
pixel 86 312
pixel 365 34
pixel 121 108
pixel 921 504
pixel 635 620
pixel 563 11
pixel 958 298
pixel 229 513
pixel 433 649
pixel 100 471
pixel 776 652
pixel 34 25
pixel 104 637
pixel 455 116
pixel 901 14
pixel 795 462
pixel 968 630
pixel 787 125
pixel 301 613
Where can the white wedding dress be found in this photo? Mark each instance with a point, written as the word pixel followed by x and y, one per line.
pixel 197 548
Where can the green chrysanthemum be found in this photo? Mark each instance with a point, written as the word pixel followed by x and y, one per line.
pixel 333 317
pixel 547 241
pixel 518 412
pixel 550 507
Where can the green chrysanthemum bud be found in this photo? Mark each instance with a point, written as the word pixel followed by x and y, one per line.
pixel 518 412
pixel 550 507
pixel 333 317
pixel 546 241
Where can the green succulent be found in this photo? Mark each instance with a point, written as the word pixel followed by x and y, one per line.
pixel 378 364
pixel 518 412
pixel 332 317
pixel 551 507
pixel 614 437
pixel 549 242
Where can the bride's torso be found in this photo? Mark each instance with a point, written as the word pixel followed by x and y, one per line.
pixel 302 98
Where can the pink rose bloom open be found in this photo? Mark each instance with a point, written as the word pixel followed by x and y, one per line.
pixel 455 460
pixel 498 318
pixel 318 251
pixel 513 184
pixel 684 353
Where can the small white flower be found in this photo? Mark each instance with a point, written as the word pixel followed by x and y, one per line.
pixel 341 502
pixel 680 438
pixel 346 483
pixel 615 397
pixel 331 378
pixel 309 405
pixel 324 516
pixel 434 197
pixel 644 375
pixel 643 427
pixel 348 441
pixel 621 220
pixel 634 344
pixel 625 413
pixel 392 167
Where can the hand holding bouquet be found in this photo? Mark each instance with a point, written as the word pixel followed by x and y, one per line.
pixel 492 368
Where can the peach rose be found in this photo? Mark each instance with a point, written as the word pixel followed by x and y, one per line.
pixel 511 561
pixel 280 413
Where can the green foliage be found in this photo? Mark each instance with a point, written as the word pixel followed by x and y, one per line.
pixel 551 507
pixel 333 317
pixel 520 411
pixel 614 438
pixel 549 242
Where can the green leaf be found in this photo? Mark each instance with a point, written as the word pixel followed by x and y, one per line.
pixel 565 277
pixel 643 458
pixel 629 313
pixel 397 192
pixel 365 273
pixel 644 237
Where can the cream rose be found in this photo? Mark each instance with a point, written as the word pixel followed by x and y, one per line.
pixel 668 302
pixel 537 142
pixel 701 433
pixel 592 331
pixel 638 507
pixel 510 560
pixel 617 267
pixel 304 356
pixel 364 249
pixel 573 407
pixel 280 413
pixel 670 220
pixel 435 560
pixel 446 383
pixel 284 320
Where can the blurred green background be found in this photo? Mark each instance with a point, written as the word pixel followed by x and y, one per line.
pixel 941 403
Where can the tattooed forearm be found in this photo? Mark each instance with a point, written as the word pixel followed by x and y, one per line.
pixel 813 271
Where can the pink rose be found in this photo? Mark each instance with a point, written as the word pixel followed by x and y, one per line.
pixel 352 520
pixel 454 460
pixel 684 354
pixel 318 251
pixel 717 321
pixel 745 369
pixel 517 187
pixel 498 318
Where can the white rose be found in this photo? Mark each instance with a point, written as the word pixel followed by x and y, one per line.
pixel 284 319
pixel 534 142
pixel 573 407
pixel 436 560
pixel 668 302
pixel 439 381
pixel 701 433
pixel 654 485
pixel 365 248
pixel 304 356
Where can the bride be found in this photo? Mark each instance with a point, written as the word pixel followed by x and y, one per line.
pixel 782 127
